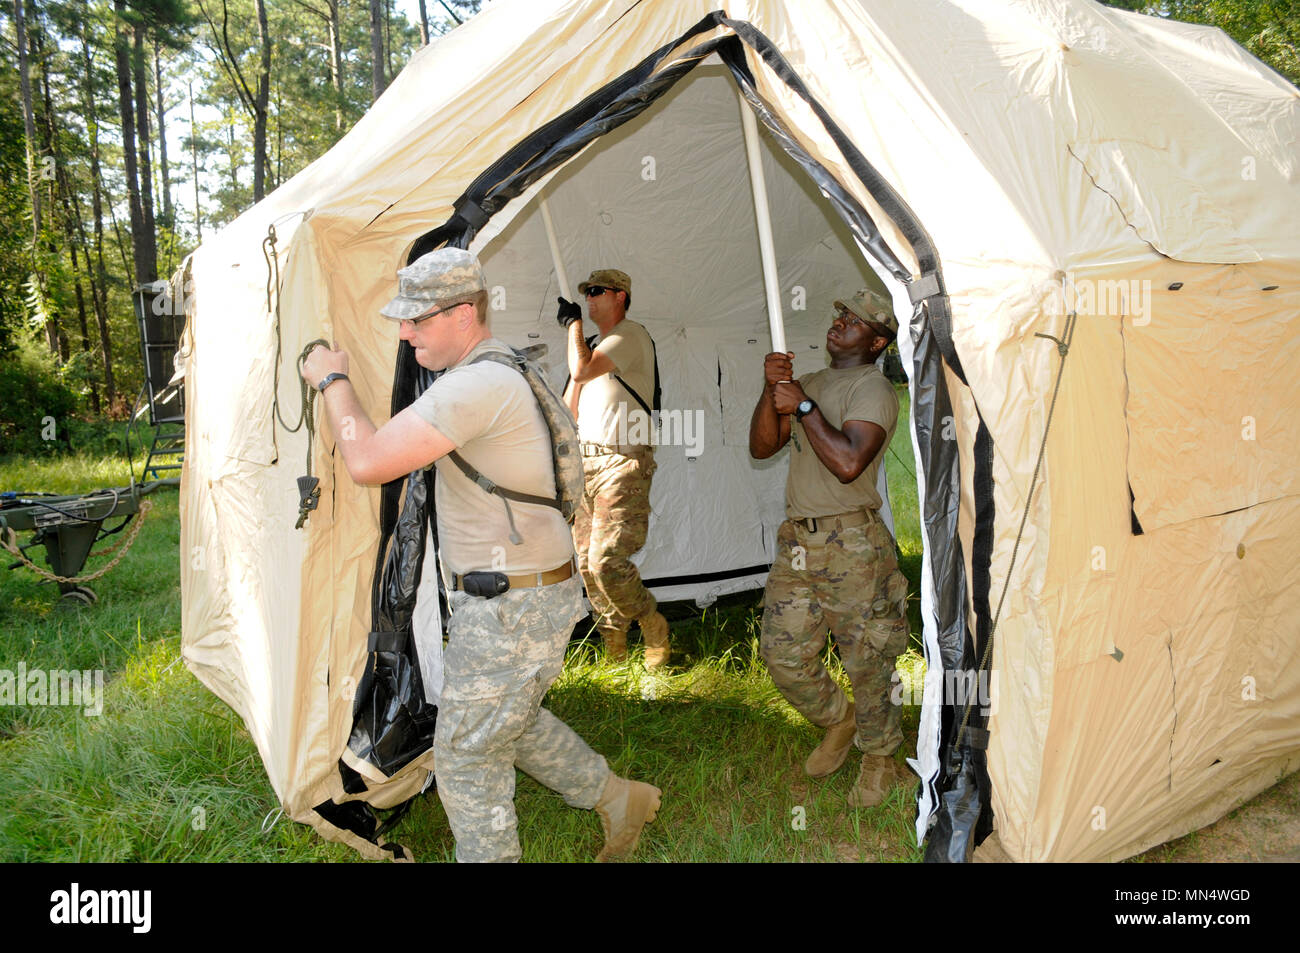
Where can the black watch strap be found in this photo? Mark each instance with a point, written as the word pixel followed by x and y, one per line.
pixel 330 379
pixel 799 413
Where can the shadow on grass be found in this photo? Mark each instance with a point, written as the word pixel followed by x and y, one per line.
pixel 721 743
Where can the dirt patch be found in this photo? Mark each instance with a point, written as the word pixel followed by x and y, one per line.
pixel 1265 829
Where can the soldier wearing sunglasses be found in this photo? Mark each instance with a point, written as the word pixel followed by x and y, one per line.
pixel 608 390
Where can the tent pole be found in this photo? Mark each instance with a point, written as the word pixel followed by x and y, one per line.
pixel 560 274
pixel 776 322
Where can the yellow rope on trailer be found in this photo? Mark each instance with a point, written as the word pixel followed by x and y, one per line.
pixel 9 541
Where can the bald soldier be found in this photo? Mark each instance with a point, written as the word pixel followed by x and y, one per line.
pixel 505 645
pixel 835 567
pixel 609 384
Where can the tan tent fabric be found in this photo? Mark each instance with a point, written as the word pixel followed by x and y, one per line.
pixel 1059 154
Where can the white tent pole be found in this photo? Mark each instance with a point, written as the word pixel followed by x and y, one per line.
pixel 560 274
pixel 766 249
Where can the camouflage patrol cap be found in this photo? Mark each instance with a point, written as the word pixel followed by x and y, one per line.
pixel 441 275
pixel 870 305
pixel 608 278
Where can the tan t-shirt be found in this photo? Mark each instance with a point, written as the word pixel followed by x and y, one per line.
pixel 851 393
pixel 489 412
pixel 604 404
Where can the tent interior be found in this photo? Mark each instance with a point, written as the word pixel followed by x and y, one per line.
pixel 666 197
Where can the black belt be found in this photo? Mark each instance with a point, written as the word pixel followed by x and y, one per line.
pixel 822 524
pixel 532 580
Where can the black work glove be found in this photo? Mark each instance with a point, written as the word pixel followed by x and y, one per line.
pixel 568 313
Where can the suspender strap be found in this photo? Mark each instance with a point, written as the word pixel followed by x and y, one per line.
pixel 490 487
pixel 654 357
pixel 635 396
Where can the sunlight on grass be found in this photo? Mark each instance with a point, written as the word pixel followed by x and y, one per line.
pixel 64 475
pixel 168 772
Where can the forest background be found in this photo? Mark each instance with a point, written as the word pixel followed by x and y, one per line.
pixel 130 129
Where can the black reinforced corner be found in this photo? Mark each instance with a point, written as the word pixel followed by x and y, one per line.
pixel 359 818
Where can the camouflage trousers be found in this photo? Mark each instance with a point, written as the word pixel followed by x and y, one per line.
pixel 844 580
pixel 609 528
pixel 501 657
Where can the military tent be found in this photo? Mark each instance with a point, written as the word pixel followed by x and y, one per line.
pixel 1087 221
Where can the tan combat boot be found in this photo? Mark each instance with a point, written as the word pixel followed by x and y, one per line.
pixel 624 808
pixel 654 632
pixel 876 777
pixel 615 644
pixel 834 749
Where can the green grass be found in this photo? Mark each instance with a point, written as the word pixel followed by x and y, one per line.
pixel 168 772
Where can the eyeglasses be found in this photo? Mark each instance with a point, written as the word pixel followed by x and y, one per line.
pixel 595 291
pixel 852 319
pixel 432 314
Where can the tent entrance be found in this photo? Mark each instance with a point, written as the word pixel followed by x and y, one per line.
pixel 957 786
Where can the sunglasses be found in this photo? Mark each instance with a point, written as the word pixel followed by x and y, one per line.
pixel 432 314
pixel 852 319
pixel 595 291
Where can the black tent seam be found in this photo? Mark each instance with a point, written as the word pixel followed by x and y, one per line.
pixel 720 575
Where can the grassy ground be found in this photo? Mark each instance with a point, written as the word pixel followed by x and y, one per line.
pixel 168 772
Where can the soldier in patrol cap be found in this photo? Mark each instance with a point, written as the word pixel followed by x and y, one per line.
pixel 611 387
pixel 503 650
pixel 835 566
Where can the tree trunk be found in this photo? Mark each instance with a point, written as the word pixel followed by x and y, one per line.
pixel 29 120
pixel 62 196
pixel 164 183
pixel 424 25
pixel 378 83
pixel 98 286
pixel 230 154
pixel 280 131
pixel 260 163
pixel 194 159
pixel 51 166
pixel 52 336
pixel 336 63
pixel 121 57
pixel 149 267
pixel 388 37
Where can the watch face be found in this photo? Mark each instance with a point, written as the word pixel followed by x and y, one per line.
pixel 805 406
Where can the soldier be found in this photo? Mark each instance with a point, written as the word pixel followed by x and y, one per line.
pixel 503 650
pixel 835 565
pixel 618 461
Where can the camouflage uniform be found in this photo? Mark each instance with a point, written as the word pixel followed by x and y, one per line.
pixel 609 528
pixel 502 653
pixel 849 582
pixel 501 658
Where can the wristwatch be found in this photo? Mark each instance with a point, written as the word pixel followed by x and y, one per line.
pixel 330 379
pixel 805 408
